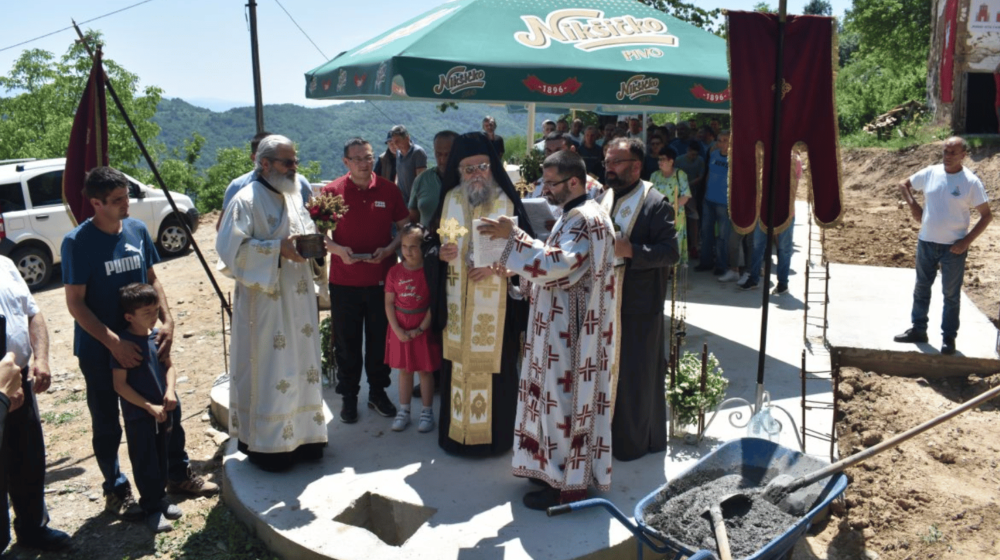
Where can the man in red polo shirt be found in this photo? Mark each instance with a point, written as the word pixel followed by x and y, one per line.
pixel 363 250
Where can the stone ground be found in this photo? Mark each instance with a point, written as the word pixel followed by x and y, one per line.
pixel 893 519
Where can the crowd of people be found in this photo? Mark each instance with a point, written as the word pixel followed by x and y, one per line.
pixel 549 344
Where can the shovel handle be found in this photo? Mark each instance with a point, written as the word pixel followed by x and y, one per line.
pixel 721 535
pixel 893 442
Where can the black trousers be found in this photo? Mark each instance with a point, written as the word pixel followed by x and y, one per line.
pixel 22 469
pixel 147 451
pixel 359 315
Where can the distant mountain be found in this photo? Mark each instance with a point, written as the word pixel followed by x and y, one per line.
pixel 218 105
pixel 320 133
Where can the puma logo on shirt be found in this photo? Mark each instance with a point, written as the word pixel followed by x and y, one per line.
pixel 126 264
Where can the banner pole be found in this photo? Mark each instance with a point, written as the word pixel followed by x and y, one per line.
pixel 156 173
pixel 771 188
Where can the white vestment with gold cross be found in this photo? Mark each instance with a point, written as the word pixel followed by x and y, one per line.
pixel 563 422
pixel 275 389
pixel 473 338
pixel 624 212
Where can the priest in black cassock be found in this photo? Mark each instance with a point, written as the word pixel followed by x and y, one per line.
pixel 481 323
pixel 645 253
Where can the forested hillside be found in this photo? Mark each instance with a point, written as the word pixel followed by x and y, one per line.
pixel 320 132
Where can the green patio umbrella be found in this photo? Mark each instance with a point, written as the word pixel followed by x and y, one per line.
pixel 602 55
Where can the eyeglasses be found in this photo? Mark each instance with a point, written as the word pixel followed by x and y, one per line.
pixel 470 169
pixel 288 162
pixel 616 162
pixel 550 186
pixel 364 159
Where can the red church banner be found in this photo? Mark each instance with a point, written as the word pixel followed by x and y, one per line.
pixel 88 143
pixel 808 118
pixel 947 72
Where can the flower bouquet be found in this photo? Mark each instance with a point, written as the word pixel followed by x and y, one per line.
pixel 325 211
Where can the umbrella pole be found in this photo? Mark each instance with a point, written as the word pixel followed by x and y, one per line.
pixel 529 137
pixel 771 188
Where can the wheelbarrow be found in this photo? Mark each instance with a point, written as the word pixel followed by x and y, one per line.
pixel 758 461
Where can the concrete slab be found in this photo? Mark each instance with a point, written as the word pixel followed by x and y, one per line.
pixel 475 505
pixel 869 305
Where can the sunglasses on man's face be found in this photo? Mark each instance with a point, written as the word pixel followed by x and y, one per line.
pixel 288 162
pixel 470 169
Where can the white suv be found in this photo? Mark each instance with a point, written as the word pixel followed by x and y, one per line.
pixel 34 220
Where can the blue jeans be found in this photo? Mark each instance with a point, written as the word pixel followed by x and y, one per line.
pixel 147 450
pixel 714 250
pixel 929 257
pixel 102 401
pixel 783 242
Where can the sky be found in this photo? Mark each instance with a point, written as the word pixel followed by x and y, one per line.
pixel 199 50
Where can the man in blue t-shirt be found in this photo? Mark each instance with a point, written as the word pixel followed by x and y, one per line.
pixel 714 254
pixel 99 257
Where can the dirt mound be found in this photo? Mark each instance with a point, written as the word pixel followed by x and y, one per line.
pixel 934 496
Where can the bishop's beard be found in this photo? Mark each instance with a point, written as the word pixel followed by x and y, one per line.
pixel 282 182
pixel 480 190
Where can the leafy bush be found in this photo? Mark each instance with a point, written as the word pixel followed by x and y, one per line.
pixel 866 89
pixel 531 166
pixel 686 399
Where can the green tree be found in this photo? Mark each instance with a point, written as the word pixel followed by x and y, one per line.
pixel 763 7
pixel 311 171
pixel 230 164
pixel 709 20
pixel 36 122
pixel 888 65
pixel 179 173
pixel 818 8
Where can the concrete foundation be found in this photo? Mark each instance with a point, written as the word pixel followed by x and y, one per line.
pixel 379 494
pixel 869 305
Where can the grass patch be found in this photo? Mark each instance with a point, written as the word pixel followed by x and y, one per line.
pixel 224 537
pixel 59 418
pixel 933 535
pixel 983 142
pixel 915 136
pixel 72 397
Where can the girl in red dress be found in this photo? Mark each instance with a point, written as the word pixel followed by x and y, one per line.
pixel 409 344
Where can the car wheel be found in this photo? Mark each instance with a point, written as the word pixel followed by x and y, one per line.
pixel 173 239
pixel 35 266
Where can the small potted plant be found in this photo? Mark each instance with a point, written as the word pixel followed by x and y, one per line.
pixel 687 400
pixel 325 210
pixel 328 361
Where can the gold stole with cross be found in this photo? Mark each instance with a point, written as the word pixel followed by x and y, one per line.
pixel 623 213
pixel 473 339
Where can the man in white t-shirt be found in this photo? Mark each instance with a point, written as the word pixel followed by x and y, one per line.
pixel 950 190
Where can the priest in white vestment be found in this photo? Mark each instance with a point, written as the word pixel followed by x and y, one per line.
pixel 563 421
pixel 275 389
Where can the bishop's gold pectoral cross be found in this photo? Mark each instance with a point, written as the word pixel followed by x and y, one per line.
pixel 451 230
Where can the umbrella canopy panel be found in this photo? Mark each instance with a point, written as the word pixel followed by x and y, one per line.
pixel 613 55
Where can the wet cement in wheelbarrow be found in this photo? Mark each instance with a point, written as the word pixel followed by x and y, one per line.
pixel 751 524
